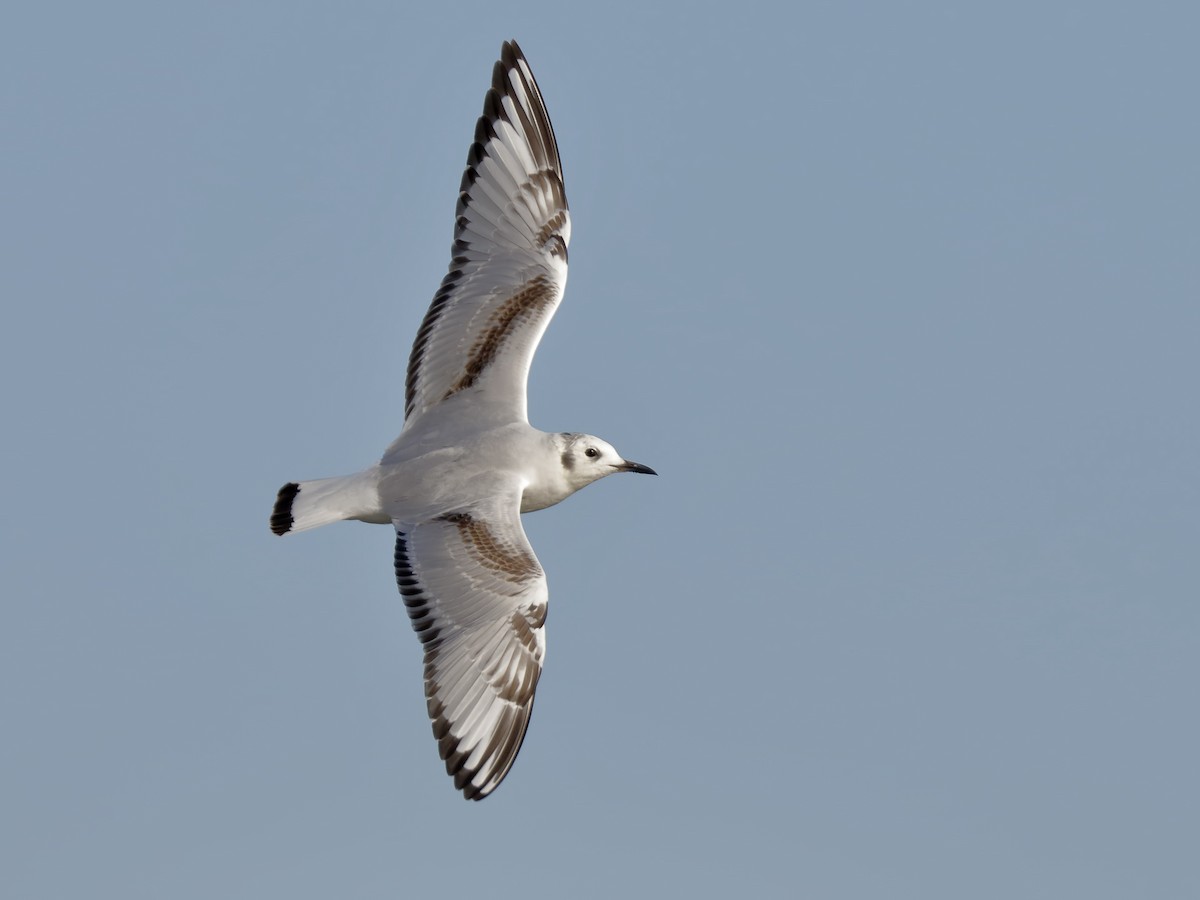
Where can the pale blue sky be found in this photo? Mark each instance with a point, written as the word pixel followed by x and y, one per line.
pixel 901 300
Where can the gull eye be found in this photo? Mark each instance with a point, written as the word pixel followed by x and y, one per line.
pixel 591 452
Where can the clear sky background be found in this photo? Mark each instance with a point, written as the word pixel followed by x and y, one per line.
pixel 902 300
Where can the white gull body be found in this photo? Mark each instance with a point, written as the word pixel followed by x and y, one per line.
pixel 467 462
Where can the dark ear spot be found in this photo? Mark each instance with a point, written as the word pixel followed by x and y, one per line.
pixel 568 461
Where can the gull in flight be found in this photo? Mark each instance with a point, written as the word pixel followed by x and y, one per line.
pixel 467 462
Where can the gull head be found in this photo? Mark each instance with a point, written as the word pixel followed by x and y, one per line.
pixel 587 458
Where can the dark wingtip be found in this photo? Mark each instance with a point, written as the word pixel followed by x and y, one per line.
pixel 281 517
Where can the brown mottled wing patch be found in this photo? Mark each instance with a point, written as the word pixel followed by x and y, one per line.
pixel 508 264
pixel 523 307
pixel 476 596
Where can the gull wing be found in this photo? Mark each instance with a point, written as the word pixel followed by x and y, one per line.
pixel 477 599
pixel 509 259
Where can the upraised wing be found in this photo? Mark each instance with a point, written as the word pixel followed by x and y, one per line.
pixel 477 599
pixel 509 259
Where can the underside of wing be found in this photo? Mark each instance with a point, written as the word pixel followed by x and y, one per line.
pixel 476 596
pixel 508 264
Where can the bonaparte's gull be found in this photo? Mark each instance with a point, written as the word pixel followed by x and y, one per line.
pixel 467 462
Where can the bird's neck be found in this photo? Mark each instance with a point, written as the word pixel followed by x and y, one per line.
pixel 549 480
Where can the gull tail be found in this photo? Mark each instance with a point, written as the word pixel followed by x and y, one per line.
pixel 301 505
